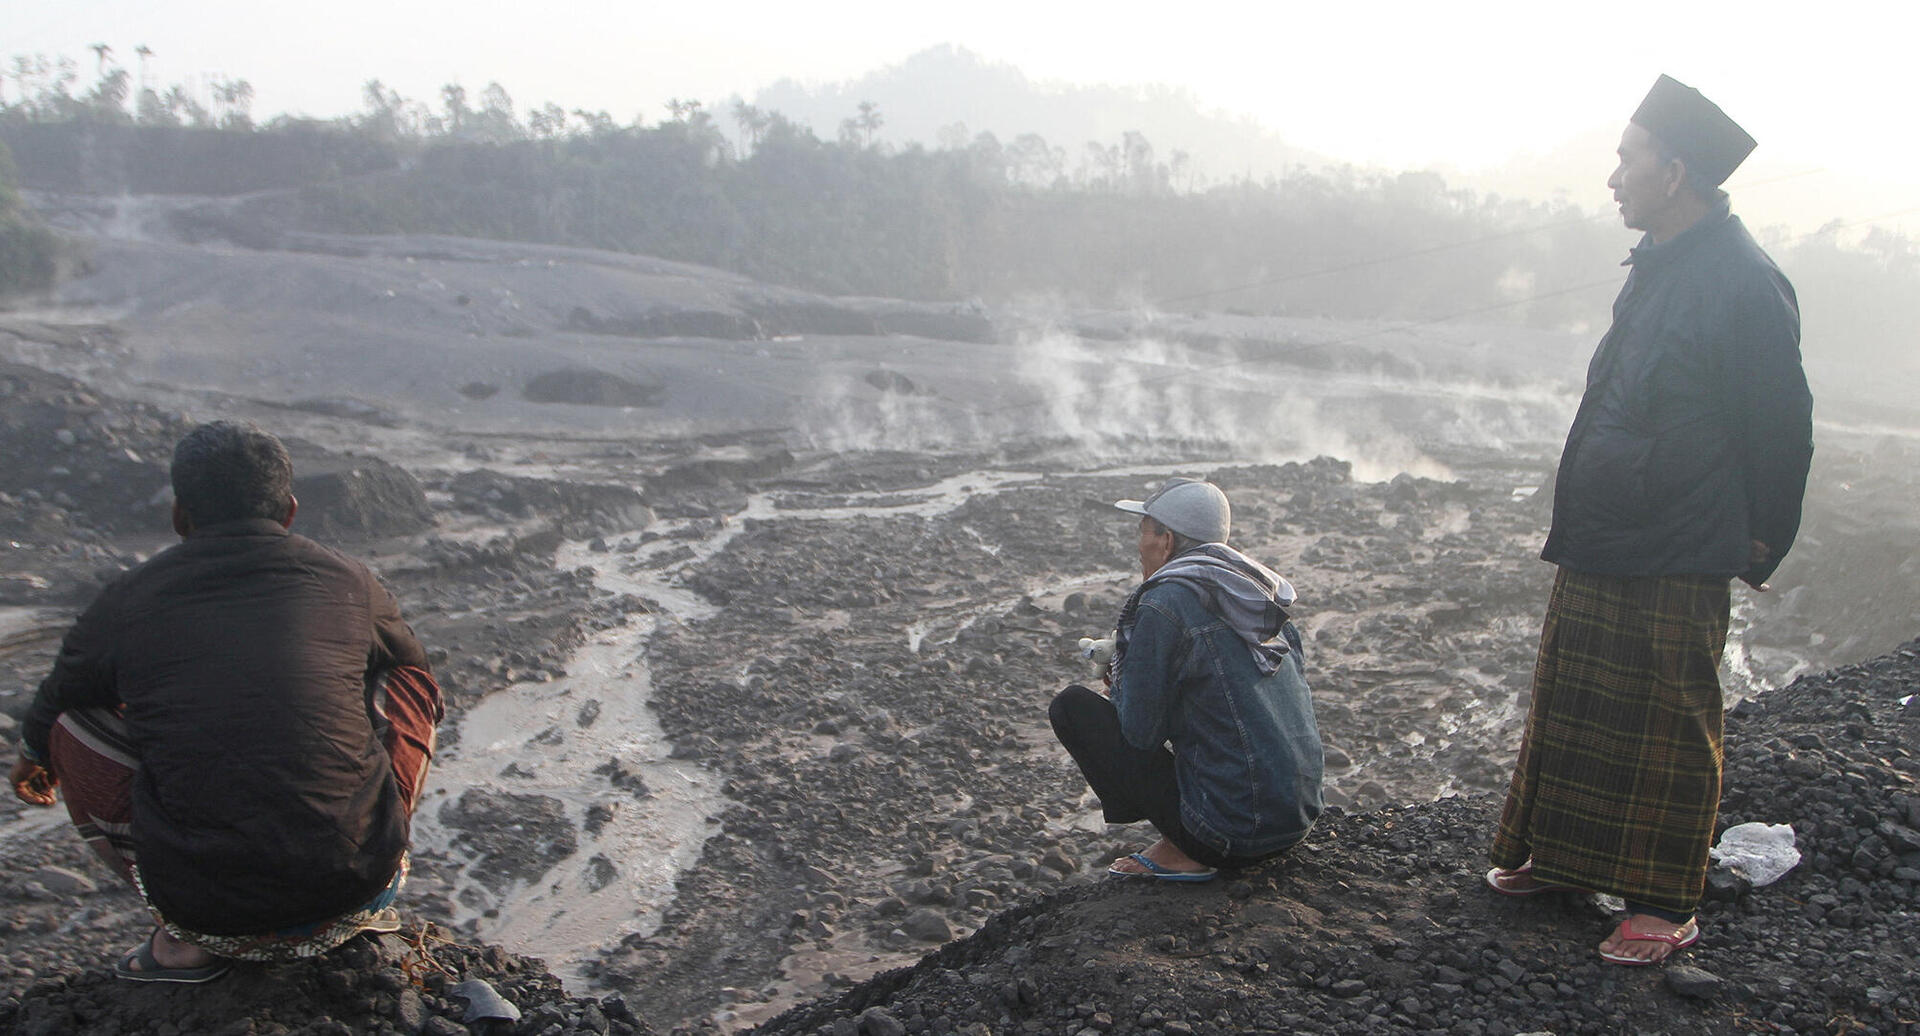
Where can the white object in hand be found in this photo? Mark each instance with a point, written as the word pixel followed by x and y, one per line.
pixel 1100 651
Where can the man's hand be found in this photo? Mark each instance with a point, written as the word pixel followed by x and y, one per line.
pixel 1757 554
pixel 33 784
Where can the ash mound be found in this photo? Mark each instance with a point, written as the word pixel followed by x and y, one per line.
pixel 411 981
pixel 1380 922
pixel 590 388
pixel 85 475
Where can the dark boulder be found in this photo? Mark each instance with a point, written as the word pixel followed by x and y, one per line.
pixel 355 498
pixel 591 388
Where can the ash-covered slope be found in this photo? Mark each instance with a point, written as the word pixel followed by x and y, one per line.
pixel 1379 923
pixel 412 981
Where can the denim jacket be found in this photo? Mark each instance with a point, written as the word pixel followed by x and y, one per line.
pixel 1246 748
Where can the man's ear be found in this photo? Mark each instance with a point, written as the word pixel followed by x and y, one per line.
pixel 1677 173
pixel 182 523
pixel 293 508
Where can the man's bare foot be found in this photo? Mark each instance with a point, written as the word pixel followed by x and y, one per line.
pixel 162 958
pixel 1162 852
pixel 172 954
pixel 1644 939
pixel 1520 882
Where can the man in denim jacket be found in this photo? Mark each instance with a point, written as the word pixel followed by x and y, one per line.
pixel 1207 729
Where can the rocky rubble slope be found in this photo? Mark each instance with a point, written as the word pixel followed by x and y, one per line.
pixel 1378 923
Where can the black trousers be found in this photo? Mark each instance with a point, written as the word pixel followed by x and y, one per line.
pixel 1133 784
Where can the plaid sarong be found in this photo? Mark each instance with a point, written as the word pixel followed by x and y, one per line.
pixel 1618 781
pixel 94 757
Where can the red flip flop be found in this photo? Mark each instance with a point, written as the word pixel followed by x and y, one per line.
pixel 1686 936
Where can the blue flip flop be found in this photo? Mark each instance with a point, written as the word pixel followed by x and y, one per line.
pixel 1159 873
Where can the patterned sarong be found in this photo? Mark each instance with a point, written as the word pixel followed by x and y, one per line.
pixel 1618 781
pixel 91 753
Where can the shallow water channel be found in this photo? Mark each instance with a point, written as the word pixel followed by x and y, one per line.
pixel 548 738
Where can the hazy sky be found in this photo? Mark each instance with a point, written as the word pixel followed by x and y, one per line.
pixel 1396 83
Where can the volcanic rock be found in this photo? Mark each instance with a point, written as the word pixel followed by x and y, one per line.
pixel 590 388
pixel 578 509
pixel 355 498
pixel 509 837
pixel 405 980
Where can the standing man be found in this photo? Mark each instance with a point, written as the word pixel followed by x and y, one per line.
pixel 1684 469
pixel 240 726
pixel 1209 731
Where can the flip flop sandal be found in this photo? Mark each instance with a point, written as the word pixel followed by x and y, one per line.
pixel 1532 887
pixel 139 965
pixel 381 922
pixel 1159 873
pixel 1688 934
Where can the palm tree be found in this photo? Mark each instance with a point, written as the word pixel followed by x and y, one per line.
pixel 869 120
pixel 454 96
pixel 231 99
pixel 100 53
pixel 752 120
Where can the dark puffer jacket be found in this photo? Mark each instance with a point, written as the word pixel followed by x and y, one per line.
pixel 1695 433
pixel 264 798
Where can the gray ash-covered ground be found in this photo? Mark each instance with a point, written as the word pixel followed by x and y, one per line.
pixel 866 681
pixel 1378 923
pixel 409 982
pixel 879 707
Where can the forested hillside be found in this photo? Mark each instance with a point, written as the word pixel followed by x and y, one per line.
pixel 1100 223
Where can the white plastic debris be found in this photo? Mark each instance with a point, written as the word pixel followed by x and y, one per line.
pixel 484 1002
pixel 1760 853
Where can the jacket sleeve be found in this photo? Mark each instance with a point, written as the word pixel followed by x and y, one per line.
pixel 393 641
pixel 1775 417
pixel 1144 686
pixel 82 676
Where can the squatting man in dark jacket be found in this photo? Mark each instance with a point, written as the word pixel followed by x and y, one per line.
pixel 240 726
pixel 1684 470
pixel 1206 729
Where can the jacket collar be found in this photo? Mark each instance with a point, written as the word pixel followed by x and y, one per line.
pixel 242 527
pixel 1649 256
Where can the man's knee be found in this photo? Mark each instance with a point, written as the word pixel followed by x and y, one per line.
pixel 1072 708
pixel 88 750
pixel 408 701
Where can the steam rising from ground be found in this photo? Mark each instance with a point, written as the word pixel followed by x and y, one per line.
pixel 1113 402
pixel 1111 394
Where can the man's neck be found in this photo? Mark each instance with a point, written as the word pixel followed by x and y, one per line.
pixel 1680 217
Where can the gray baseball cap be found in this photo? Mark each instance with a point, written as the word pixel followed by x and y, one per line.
pixel 1194 509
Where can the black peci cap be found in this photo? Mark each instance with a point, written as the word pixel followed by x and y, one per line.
pixel 1711 144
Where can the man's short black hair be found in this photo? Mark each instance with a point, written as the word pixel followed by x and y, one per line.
pixel 1181 544
pixel 226 471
